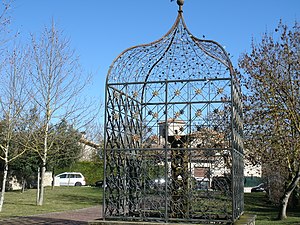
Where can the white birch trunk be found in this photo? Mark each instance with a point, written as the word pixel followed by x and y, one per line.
pixel 41 195
pixel 44 159
pixel 286 196
pixel 3 183
pixel 38 187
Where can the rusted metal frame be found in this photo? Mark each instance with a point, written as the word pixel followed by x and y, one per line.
pixel 191 149
pixel 233 199
pixel 153 66
pixel 132 100
pixel 110 121
pixel 183 86
pixel 239 148
pixel 128 118
pixel 119 123
pixel 145 108
pixel 160 88
pixel 165 104
pixel 236 191
pixel 172 81
pixel 126 143
pixel 226 63
pixel 166 154
pixel 238 182
pixel 127 158
pixel 104 207
pixel 125 104
pixel 124 119
pixel 111 86
pixel 118 159
pixel 144 45
pixel 184 103
pixel 134 125
pixel 110 157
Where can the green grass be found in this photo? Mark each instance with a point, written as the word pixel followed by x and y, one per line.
pixel 70 198
pixel 257 203
pixel 58 199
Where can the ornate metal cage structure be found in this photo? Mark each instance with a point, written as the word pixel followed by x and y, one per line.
pixel 173 132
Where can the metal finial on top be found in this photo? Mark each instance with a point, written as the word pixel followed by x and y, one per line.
pixel 180 3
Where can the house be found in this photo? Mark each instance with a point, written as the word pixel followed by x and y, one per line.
pixel 209 152
pixel 90 149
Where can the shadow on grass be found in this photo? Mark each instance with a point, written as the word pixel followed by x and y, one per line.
pixel 73 197
pixel 258 204
pixel 21 203
pixel 39 220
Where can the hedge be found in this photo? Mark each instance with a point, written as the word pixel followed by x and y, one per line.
pixel 92 171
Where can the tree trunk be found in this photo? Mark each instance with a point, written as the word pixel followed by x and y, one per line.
pixel 44 159
pixel 41 196
pixel 3 184
pixel 53 179
pixel 23 185
pixel 285 198
pixel 38 187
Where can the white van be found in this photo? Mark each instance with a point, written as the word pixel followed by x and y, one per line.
pixel 70 179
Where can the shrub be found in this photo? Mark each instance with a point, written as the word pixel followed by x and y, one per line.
pixel 92 171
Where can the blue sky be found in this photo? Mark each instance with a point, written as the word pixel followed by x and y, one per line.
pixel 101 29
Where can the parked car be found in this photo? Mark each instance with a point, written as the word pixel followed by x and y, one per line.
pixel 99 183
pixel 70 179
pixel 259 188
pixel 202 184
pixel 160 181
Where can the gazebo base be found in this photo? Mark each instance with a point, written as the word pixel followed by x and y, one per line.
pixel 245 219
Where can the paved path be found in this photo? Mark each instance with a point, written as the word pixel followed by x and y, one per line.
pixel 75 217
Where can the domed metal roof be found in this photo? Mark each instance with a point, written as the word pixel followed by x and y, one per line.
pixel 178 55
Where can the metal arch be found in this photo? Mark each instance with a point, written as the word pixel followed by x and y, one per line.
pixel 209 47
pixel 173 132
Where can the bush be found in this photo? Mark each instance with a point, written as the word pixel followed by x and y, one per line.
pixel 252 181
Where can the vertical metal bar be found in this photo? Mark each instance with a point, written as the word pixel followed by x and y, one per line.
pixel 232 149
pixel 105 152
pixel 166 153
pixel 141 110
pixel 189 118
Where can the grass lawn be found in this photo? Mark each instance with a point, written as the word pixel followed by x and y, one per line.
pixel 69 198
pixel 58 199
pixel 257 203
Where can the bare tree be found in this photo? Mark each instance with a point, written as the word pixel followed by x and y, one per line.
pixel 272 106
pixel 4 23
pixel 58 82
pixel 13 101
pixel 66 148
pixel 12 84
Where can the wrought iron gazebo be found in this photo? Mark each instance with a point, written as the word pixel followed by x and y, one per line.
pixel 173 132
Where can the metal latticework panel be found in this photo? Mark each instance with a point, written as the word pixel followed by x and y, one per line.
pixel 173 133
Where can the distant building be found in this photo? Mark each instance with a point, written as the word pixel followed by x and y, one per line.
pixel 90 149
pixel 212 161
pixel 175 127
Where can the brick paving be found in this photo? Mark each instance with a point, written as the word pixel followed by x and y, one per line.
pixel 74 217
